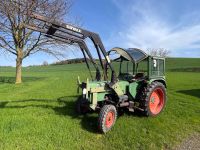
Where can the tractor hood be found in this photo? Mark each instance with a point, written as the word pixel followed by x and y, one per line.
pixel 132 54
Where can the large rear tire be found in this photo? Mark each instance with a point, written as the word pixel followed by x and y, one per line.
pixel 154 99
pixel 107 118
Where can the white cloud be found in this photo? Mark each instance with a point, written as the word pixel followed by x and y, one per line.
pixel 148 28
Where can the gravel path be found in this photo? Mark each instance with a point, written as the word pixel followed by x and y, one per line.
pixel 191 143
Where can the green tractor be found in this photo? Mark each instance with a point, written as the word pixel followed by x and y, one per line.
pixel 133 90
pixel 125 79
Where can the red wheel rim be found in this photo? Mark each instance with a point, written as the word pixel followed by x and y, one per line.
pixel 109 119
pixel 156 102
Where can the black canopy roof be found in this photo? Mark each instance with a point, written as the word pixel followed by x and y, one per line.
pixel 132 54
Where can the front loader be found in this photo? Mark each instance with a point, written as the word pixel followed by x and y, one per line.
pixel 119 83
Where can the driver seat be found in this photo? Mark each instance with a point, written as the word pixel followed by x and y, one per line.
pixel 139 75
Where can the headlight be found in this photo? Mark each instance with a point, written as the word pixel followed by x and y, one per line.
pixel 84 91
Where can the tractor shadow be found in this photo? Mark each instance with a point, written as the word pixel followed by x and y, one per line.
pixel 64 106
pixel 88 121
pixel 193 92
pixel 11 80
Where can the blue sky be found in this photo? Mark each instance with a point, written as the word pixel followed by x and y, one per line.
pixel 170 24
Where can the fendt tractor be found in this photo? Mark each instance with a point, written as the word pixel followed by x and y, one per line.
pixel 124 79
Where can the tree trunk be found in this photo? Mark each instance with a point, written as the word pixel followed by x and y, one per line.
pixel 18 69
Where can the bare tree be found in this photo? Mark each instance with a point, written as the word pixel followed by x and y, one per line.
pixel 158 52
pixel 21 42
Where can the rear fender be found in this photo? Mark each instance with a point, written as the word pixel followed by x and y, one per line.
pixel 159 80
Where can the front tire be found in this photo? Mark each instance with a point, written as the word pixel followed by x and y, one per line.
pixel 81 106
pixel 154 99
pixel 107 118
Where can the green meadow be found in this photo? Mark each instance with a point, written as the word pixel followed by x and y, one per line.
pixel 39 113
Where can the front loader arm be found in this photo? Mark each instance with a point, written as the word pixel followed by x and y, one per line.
pixel 72 34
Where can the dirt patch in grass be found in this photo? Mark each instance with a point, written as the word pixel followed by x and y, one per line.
pixel 191 143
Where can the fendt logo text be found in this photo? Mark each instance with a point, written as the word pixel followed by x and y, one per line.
pixel 73 28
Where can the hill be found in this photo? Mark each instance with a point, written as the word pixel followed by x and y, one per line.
pixel 40 112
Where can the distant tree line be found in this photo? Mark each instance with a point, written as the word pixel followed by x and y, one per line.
pixel 70 61
pixel 162 52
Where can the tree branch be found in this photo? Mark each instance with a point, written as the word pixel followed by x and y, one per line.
pixel 15 37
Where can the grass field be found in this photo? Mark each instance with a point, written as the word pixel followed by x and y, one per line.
pixel 39 114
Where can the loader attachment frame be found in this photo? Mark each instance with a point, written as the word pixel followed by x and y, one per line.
pixel 70 34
